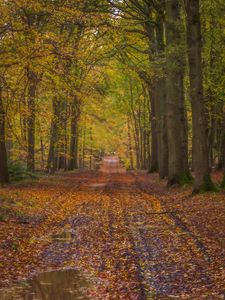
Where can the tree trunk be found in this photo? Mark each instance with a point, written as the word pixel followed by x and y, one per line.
pixel 161 103
pixel 154 136
pixel 145 129
pixel 83 148
pixel 162 130
pixel 91 149
pixel 73 163
pixel 221 161
pixel 62 120
pixel 223 149
pixel 175 128
pixel 200 148
pixel 4 176
pixel 32 88
pixel 184 126
pixel 130 144
pixel 136 149
pixel 150 32
pixel 52 155
pixel 136 131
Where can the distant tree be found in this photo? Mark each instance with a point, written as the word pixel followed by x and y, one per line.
pixel 4 176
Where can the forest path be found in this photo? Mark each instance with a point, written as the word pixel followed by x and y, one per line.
pixel 121 236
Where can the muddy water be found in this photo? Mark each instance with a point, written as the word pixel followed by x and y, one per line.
pixel 64 237
pixel 57 285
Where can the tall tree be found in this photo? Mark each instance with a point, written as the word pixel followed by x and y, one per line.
pixel 200 147
pixel 31 106
pixel 177 160
pixel 4 176
pixel 75 115
pixel 223 148
pixel 54 137
pixel 161 95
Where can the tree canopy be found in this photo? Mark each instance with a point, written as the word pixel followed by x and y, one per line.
pixel 144 79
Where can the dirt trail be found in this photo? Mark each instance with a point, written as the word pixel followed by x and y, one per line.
pixel 131 242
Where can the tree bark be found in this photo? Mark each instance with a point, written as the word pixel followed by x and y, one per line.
pixel 84 133
pixel 154 135
pixel 135 126
pixel 200 147
pixel 42 153
pixel 62 121
pixel 52 155
pixel 161 101
pixel 174 98
pixel 32 88
pixel 221 162
pixel 130 144
pixel 4 175
pixel 184 125
pixel 223 149
pixel 73 162
pixel 162 130
pixel 150 33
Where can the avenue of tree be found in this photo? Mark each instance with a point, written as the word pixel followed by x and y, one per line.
pixel 145 78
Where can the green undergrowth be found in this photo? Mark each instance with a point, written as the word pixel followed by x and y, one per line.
pixel 185 179
pixel 153 169
pixel 223 183
pixel 182 179
pixel 18 172
pixel 207 186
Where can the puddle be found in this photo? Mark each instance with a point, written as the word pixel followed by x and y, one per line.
pixel 97 185
pixel 65 236
pixel 56 285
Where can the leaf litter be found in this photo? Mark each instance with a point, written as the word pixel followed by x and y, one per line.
pixel 131 236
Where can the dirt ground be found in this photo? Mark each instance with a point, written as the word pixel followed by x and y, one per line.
pixel 133 237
